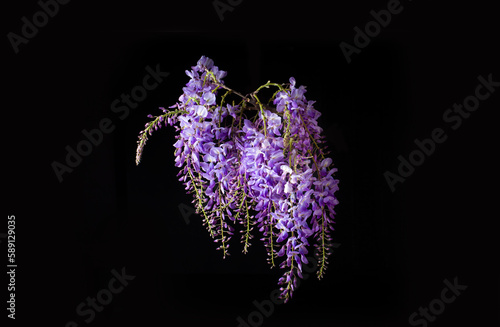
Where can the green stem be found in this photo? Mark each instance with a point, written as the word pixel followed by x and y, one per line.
pixel 262 112
pixel 310 136
pixel 149 129
pixel 210 228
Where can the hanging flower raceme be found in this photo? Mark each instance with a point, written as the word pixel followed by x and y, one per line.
pixel 252 164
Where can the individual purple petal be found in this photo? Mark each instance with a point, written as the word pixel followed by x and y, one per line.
pixel 282 236
pixel 209 98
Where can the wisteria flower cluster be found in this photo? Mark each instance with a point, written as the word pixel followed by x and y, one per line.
pixel 254 164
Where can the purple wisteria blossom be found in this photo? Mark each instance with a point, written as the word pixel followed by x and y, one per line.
pixel 249 164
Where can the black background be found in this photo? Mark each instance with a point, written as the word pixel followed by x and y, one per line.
pixel 396 248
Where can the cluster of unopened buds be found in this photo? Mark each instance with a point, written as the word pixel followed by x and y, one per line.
pixel 254 164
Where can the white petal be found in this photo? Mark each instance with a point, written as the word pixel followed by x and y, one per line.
pixel 286 169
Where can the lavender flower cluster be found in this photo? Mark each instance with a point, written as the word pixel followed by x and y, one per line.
pixel 254 165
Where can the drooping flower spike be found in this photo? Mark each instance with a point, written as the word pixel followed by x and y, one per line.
pixel 254 165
